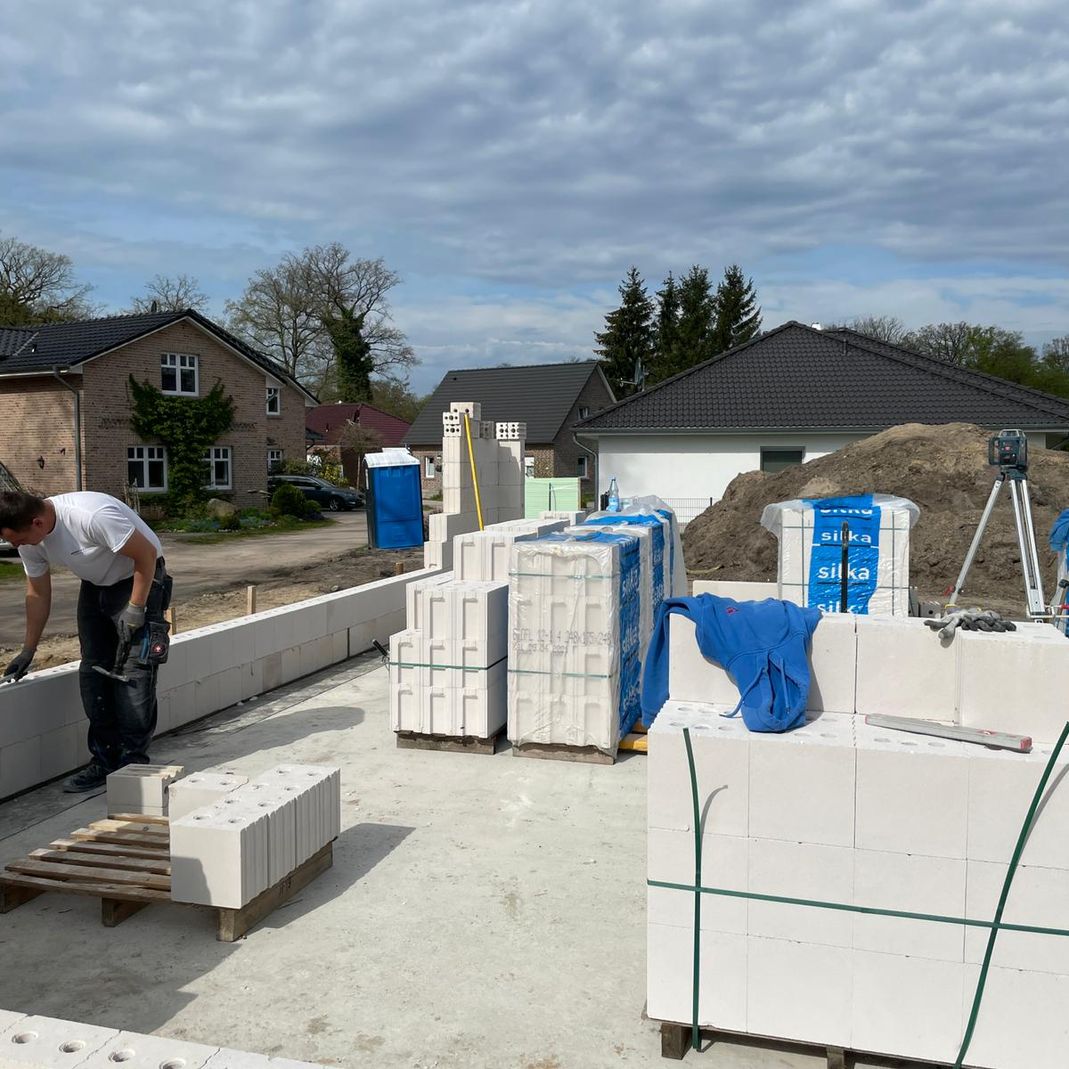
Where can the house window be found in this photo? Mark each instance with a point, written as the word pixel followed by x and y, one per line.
pixel 581 468
pixel 218 460
pixel 274 459
pixel 429 469
pixel 146 467
pixel 777 459
pixel 274 401
pixel 528 467
pixel 584 412
pixel 179 374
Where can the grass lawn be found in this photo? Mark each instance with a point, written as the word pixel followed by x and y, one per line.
pixel 10 570
pixel 284 525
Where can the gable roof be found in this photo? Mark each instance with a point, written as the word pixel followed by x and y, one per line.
pixel 540 395
pixel 797 378
pixel 37 350
pixel 328 421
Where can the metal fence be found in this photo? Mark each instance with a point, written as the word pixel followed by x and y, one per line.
pixel 686 508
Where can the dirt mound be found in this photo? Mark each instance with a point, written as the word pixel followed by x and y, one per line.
pixel 943 469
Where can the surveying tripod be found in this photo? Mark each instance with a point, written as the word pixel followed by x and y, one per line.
pixel 1008 451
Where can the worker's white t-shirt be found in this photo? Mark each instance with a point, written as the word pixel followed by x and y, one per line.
pixel 90 530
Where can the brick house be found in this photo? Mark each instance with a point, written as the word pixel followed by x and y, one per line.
pixel 64 398
pixel 549 398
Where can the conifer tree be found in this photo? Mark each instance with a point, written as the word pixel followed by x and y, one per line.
pixel 737 316
pixel 627 340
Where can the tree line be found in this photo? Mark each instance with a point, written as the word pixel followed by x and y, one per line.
pixel 322 314
pixel 649 339
pixel 991 349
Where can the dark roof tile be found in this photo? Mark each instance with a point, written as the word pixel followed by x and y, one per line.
pixel 540 395
pixel 798 378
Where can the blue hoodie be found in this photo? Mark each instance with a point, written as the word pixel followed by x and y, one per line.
pixel 763 646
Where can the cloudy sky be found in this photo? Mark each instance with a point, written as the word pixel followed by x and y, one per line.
pixel 511 160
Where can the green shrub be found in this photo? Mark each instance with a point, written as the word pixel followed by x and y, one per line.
pixel 287 500
pixel 232 522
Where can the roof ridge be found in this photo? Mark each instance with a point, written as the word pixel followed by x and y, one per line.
pixel 113 318
pixel 691 370
pixel 955 372
pixel 525 367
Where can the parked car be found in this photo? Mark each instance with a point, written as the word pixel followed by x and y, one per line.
pixel 324 494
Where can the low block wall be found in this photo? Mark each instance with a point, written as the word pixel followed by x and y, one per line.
pixel 43 727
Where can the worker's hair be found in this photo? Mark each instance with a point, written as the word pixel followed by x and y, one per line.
pixel 19 509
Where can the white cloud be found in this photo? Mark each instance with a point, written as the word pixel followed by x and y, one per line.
pixel 545 147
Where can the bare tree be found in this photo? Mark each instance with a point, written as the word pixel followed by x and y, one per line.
pixel 38 286
pixel 166 294
pixel 882 328
pixel 286 309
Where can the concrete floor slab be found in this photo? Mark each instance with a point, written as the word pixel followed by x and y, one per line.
pixel 482 912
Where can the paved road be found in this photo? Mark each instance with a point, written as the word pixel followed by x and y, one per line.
pixel 198 568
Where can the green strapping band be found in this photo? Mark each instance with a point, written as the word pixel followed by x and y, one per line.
pixel 455 667
pixel 565 675
pixel 994 925
pixel 869 911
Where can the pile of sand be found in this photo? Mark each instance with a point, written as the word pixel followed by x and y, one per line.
pixel 943 469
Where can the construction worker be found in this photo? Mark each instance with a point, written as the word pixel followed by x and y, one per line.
pixel 125 585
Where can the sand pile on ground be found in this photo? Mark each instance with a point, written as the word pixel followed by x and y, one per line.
pixel 943 469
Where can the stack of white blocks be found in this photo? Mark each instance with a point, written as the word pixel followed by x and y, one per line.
pixel 498 450
pixel 202 789
pixel 891 597
pixel 229 851
pixel 571 519
pixel 447 668
pixel 573 668
pixel 842 812
pixel 29 1041
pixel 141 789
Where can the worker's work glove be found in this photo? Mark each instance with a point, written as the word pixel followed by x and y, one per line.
pixel 969 620
pixel 128 623
pixel 20 665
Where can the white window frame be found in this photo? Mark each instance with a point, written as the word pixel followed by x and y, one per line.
pixel 583 467
pixel 180 362
pixel 214 455
pixel 142 455
pixel 273 393
pixel 430 471
pixel 528 466
pixel 272 461
pixel 584 411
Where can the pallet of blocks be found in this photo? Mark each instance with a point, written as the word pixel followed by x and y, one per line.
pixel 851 875
pixel 574 642
pixel 32 1041
pixel 810 552
pixel 447 668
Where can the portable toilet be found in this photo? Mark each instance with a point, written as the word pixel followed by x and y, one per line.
pixel 394 500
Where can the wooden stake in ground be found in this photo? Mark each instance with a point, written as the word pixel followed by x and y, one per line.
pixel 250 600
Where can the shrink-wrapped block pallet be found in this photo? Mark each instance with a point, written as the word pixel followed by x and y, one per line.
pixel 574 637
pixel 810 552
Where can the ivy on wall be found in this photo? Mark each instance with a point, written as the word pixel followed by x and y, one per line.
pixel 187 426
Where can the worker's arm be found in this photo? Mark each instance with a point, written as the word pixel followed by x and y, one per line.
pixel 143 553
pixel 38 607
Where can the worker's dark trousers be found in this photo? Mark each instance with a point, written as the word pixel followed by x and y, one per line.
pixel 122 716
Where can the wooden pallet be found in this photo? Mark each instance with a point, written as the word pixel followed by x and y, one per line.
pixel 125 861
pixel 635 741
pixel 675 1042
pixel 413 740
pixel 553 751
